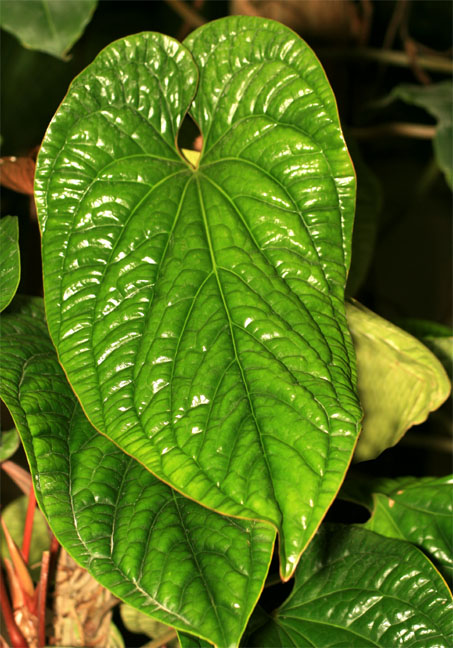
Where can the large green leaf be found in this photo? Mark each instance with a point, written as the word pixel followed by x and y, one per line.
pixel 9 259
pixel 356 589
pixel 170 557
pixel 51 26
pixel 198 312
pixel 400 380
pixel 437 99
pixel 418 510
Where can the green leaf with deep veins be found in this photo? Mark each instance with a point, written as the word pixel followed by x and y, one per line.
pixel 9 259
pixel 419 510
pixel 199 312
pixel 160 552
pixel 356 589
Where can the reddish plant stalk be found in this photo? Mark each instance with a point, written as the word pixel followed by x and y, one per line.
pixel 42 595
pixel 17 638
pixel 26 540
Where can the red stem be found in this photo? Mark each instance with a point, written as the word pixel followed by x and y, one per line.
pixel 26 541
pixel 42 595
pixel 17 638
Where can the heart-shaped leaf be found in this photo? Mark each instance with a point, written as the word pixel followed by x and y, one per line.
pixel 9 259
pixel 198 312
pixel 400 380
pixel 50 26
pixel 356 589
pixel 160 552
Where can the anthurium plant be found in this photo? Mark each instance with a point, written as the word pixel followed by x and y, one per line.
pixel 188 393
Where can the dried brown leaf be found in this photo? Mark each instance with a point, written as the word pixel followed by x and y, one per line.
pixel 17 173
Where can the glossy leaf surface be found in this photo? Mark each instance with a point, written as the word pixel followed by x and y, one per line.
pixel 50 26
pixel 400 380
pixel 417 510
pixel 172 558
pixel 356 589
pixel 198 312
pixel 9 259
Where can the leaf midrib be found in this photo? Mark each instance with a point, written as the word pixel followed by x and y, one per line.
pixel 233 340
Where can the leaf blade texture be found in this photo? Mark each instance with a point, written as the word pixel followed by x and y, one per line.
pixel 168 556
pixel 199 313
pixel 419 511
pixel 355 588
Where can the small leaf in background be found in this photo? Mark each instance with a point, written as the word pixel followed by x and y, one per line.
pixel 357 589
pixel 136 621
pixel 199 313
pixel 9 442
pixel 14 515
pixel 177 561
pixel 51 26
pixel 400 380
pixel 115 639
pixel 9 259
pixel 437 100
pixel 18 174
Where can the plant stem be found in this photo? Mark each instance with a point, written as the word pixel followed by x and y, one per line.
pixel 400 129
pixel 16 636
pixel 186 13
pixel 391 57
pixel 42 595
pixel 26 540
pixel 19 475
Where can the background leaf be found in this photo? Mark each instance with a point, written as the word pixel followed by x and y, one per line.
pixel 51 26
pixel 355 588
pixel 175 560
pixel 400 380
pixel 437 337
pixel 9 259
pixel 136 621
pixel 9 444
pixel 437 99
pixel 199 315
